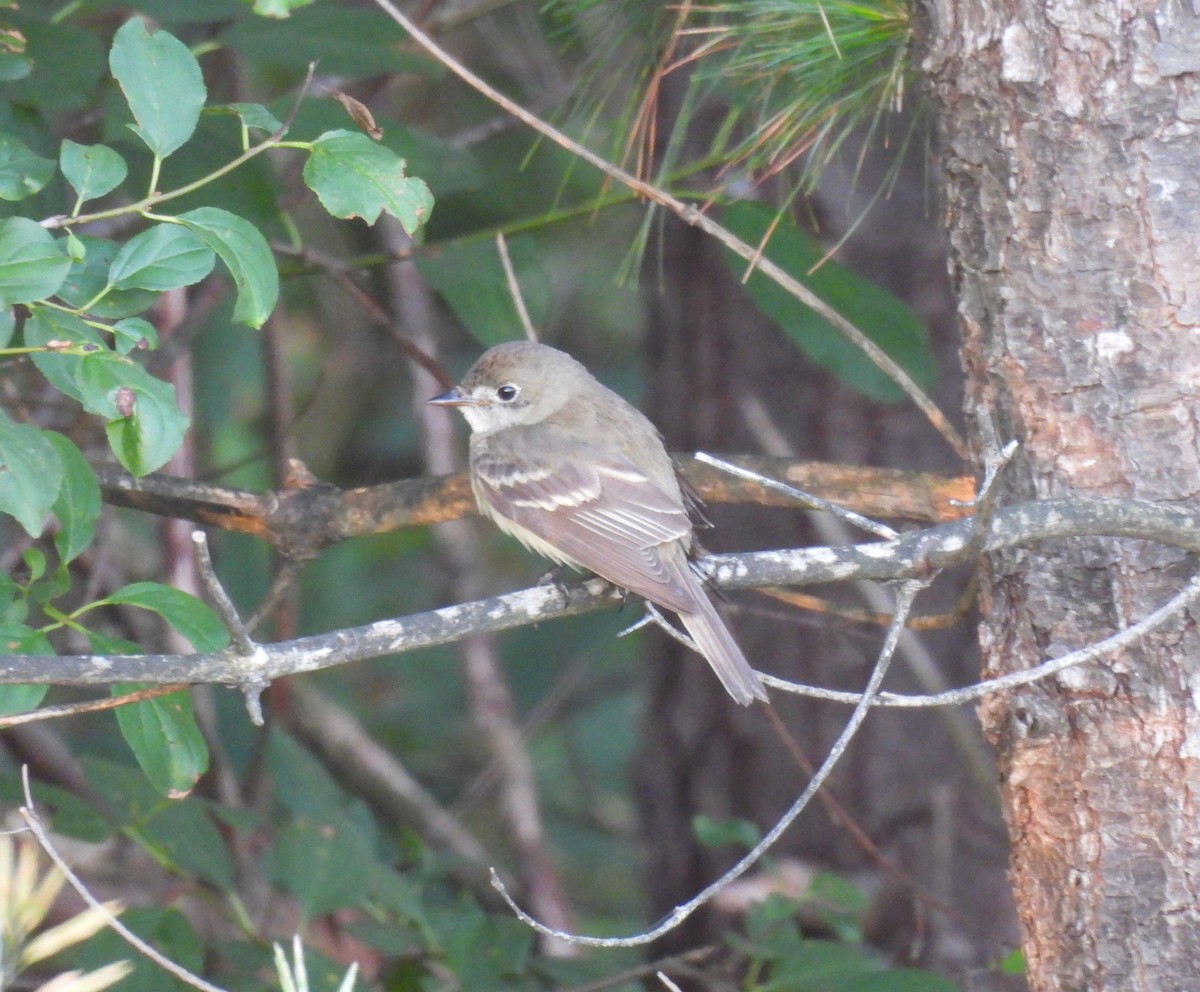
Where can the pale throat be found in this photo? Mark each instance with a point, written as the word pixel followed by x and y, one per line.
pixel 489 417
pixel 486 419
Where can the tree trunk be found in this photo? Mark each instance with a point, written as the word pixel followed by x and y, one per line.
pixel 1071 146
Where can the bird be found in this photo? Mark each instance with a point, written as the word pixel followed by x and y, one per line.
pixel 582 477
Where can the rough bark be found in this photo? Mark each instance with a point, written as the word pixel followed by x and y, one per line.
pixel 1070 139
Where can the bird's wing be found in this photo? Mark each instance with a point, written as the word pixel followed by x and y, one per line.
pixel 598 511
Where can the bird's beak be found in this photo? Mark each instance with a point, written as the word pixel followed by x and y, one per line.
pixel 452 397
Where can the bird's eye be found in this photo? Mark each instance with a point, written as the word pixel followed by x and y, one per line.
pixel 506 393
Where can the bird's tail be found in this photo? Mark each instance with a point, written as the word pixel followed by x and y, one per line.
pixel 721 651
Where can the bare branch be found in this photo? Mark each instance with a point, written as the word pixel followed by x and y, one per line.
pixel 301 520
pixel 219 598
pixel 801 497
pixel 514 287
pixel 968 694
pixel 89 706
pixel 912 555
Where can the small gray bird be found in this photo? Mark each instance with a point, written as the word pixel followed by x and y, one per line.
pixel 579 475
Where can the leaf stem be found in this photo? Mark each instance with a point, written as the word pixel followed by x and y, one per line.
pixel 144 205
pixel 155 172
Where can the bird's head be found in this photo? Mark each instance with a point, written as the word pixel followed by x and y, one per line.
pixel 516 383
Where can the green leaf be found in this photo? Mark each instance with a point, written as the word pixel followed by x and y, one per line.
pixel 78 504
pixel 166 256
pixel 14 67
pixel 101 643
pixel 246 254
pixel 76 251
pixel 61 371
pixel 881 316
pixel 92 170
pixel 162 83
pixel 183 835
pixel 446 167
pixel 105 381
pixel 131 800
pixel 8 326
pixel 35 563
pixel 838 893
pixel 14 604
pixel 16 699
pixel 716 833
pixel 18 639
pixel 482 951
pixel 891 980
pixel 255 115
pixel 145 439
pixel 90 275
pixel 288 761
pixel 22 173
pixel 355 177
pixel 30 474
pixel 470 278
pixel 1013 963
pixel 326 864
pixel 191 617
pixel 134 333
pixel 32 264
pixel 818 964
pixel 163 736
pixel 145 426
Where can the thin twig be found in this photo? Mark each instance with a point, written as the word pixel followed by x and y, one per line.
pixel 29 814
pixel 296 103
pixel 514 287
pixel 90 706
pixel 904 601
pixel 252 684
pixel 808 499
pixel 691 215
pixel 987 500
pixel 971 693
pixel 637 972
pixel 219 598
pixel 653 617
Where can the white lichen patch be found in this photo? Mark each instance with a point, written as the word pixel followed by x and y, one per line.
pixel 1110 344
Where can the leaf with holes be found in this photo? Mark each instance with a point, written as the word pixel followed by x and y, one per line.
pixel 145 426
pixel 355 177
